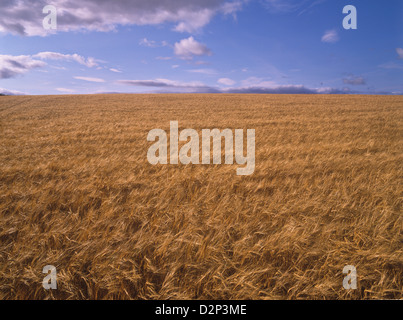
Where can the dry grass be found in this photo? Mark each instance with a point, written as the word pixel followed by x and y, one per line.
pixel 77 192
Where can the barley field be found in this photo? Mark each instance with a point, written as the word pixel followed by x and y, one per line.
pixel 77 192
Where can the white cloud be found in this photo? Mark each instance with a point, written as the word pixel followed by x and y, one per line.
pixel 58 68
pixel 65 90
pixel 89 62
pixel 152 44
pixel 330 36
pixel 147 43
pixel 257 83
pixel 400 52
pixel 287 6
pixel 25 17
pixel 11 66
pixel 90 79
pixel 232 7
pixel 203 71
pixel 115 70
pixel 10 92
pixel 281 6
pixel 195 20
pixel 187 48
pixel 226 81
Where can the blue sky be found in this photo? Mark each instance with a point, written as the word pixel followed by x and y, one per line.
pixel 268 46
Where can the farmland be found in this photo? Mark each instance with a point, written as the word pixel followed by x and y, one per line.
pixel 77 192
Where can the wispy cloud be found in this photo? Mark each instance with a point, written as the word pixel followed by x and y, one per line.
pixel 147 43
pixel 10 92
pixel 203 71
pixel 171 85
pixel 201 63
pixel 152 44
pixel 354 80
pixel 399 52
pixel 88 62
pixel 330 36
pixel 89 79
pixel 161 83
pixel 282 6
pixel 232 7
pixel 163 58
pixel 309 9
pixel 391 65
pixel 115 70
pixel 66 90
pixel 226 81
pixel 257 82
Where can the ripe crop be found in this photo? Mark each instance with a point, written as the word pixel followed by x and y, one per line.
pixel 77 192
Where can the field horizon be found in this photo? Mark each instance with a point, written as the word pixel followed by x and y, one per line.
pixel 77 192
